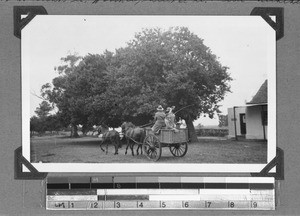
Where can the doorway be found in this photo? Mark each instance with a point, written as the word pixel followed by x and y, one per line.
pixel 243 123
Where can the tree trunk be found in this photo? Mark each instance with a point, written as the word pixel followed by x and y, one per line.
pixel 191 130
pixel 74 131
pixel 84 130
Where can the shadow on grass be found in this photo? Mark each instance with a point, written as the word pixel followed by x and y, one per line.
pixel 66 140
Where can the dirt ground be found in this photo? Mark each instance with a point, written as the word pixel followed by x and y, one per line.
pixel 59 149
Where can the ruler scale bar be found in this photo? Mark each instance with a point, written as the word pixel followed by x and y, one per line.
pixel 161 185
pixel 160 182
pixel 207 205
pixel 106 193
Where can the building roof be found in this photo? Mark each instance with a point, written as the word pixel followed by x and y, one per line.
pixel 261 97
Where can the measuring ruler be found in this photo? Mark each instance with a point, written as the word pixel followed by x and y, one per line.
pixel 119 193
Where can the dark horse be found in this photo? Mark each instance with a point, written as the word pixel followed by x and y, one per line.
pixel 133 135
pixel 109 136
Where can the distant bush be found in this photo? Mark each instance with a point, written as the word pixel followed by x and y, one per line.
pixel 212 132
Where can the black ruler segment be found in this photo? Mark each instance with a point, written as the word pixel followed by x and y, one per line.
pixel 147 182
pixel 102 185
pixel 260 186
pixel 192 185
pixel 237 185
pixel 101 198
pixel 125 182
pixel 80 185
pixel 147 185
pixel 58 183
pixel 170 185
pixel 125 185
pixel 215 185
pixel 62 183
pixel 58 186
pixel 80 182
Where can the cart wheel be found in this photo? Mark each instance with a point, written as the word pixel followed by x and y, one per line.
pixel 152 147
pixel 179 149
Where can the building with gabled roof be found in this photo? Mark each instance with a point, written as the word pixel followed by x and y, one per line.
pixel 251 120
pixel 261 97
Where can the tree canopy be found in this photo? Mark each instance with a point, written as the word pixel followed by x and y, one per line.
pixel 156 67
pixel 43 110
pixel 45 121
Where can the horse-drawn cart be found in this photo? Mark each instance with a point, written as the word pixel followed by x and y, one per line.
pixel 176 141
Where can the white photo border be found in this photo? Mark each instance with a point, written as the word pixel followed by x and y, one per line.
pixel 187 168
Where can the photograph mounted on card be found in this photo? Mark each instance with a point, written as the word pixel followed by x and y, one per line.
pixel 148 94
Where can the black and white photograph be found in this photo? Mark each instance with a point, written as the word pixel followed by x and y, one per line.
pixel 148 93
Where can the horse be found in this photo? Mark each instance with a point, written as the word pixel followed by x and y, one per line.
pixel 133 135
pixel 111 136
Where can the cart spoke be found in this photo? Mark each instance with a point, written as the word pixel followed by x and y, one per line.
pixel 152 147
pixel 151 155
pixel 155 154
pixel 151 139
pixel 178 150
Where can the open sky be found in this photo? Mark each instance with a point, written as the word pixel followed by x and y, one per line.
pixel 245 44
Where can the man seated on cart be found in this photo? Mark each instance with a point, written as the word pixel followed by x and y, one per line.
pixel 159 119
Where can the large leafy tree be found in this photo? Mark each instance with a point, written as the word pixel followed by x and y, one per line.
pixel 77 90
pixel 61 93
pixel 157 67
pixel 171 67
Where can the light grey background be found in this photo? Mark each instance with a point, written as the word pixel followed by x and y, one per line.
pixel 26 197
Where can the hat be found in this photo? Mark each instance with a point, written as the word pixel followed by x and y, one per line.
pixel 160 108
pixel 170 108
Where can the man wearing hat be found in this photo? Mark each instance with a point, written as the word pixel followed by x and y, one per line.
pixel 159 119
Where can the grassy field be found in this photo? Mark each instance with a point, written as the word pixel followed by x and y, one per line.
pixel 59 149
